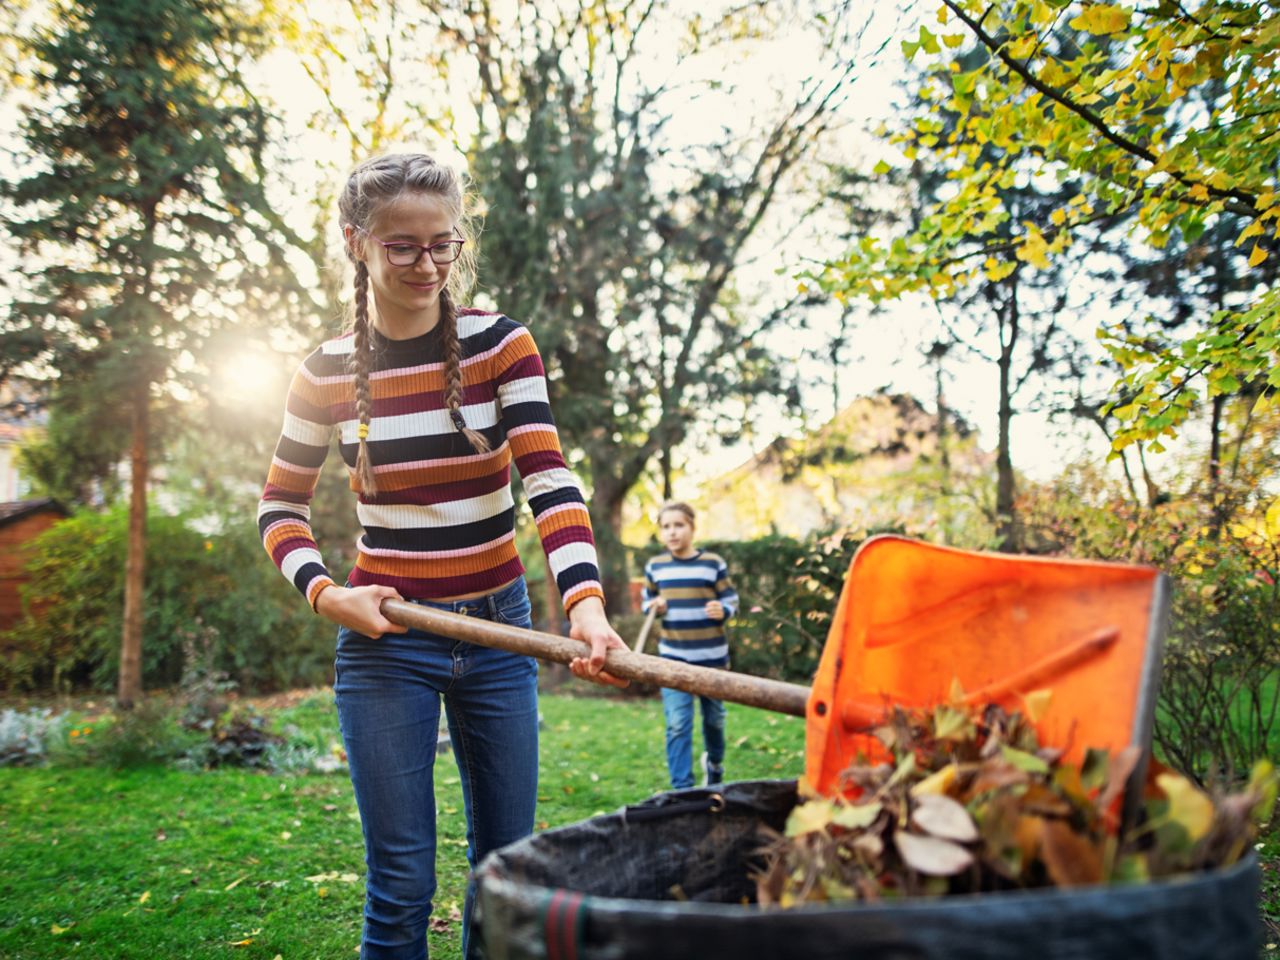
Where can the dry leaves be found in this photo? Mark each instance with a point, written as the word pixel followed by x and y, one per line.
pixel 973 803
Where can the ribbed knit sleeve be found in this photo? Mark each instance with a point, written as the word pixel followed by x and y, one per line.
pixel 284 512
pixel 556 500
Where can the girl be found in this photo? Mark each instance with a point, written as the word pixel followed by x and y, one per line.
pixel 431 404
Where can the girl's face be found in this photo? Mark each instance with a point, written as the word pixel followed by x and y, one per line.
pixel 676 532
pixel 406 298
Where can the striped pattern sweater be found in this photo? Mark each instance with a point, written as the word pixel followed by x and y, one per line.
pixel 687 585
pixel 443 521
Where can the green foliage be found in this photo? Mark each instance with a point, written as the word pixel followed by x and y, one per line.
pixel 147 735
pixel 264 635
pixel 788 590
pixel 1219 703
pixel 1167 116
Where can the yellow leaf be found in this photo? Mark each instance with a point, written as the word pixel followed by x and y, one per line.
pixel 1058 217
pixel 145 897
pixel 57 930
pixel 1183 74
pixel 938 782
pixel 856 816
pixel 1102 19
pixel 1199 191
pixel 1273 522
pixel 953 40
pixel 1036 704
pixel 1188 806
pixel 235 883
pixel 1033 249
pixel 240 943
pixel 1022 47
pixel 1258 255
pixel 810 817
pixel 1252 230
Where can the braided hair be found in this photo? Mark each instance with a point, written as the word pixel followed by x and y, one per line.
pixel 369 189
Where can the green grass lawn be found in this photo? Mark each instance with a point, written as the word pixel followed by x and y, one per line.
pixel 161 863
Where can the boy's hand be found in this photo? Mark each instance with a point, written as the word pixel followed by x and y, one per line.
pixel 588 622
pixel 659 605
pixel 714 609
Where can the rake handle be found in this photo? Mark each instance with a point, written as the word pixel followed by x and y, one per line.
pixel 774 695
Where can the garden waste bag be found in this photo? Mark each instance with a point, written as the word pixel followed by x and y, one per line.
pixel 670 879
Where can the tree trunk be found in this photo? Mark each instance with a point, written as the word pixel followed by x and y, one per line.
pixel 1217 515
pixel 130 680
pixel 555 605
pixel 606 523
pixel 1006 520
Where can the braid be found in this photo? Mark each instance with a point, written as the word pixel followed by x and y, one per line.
pixel 360 365
pixel 453 373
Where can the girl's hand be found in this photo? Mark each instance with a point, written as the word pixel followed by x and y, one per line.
pixel 588 622
pixel 714 609
pixel 660 605
pixel 359 608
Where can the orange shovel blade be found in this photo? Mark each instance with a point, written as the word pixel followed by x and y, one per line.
pixel 914 619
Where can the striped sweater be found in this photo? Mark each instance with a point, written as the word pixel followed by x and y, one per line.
pixel 443 521
pixel 687 585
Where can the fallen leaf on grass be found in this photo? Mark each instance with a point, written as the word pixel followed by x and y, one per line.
pixel 235 883
pixel 331 876
pixel 56 930
pixel 145 896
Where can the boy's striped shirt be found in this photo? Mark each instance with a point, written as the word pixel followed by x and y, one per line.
pixel 443 521
pixel 687 585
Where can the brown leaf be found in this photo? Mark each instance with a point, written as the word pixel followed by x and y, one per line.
pixel 1119 768
pixel 930 855
pixel 440 925
pixel 996 775
pixel 943 817
pixel 869 845
pixel 1072 860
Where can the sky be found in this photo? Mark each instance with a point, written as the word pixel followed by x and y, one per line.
pixel 885 349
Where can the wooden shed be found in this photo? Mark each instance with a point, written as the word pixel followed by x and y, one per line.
pixel 20 522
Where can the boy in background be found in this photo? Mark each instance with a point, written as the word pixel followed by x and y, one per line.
pixel 690 589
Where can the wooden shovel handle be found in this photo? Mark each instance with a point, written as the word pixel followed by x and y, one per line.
pixel 652 615
pixel 788 698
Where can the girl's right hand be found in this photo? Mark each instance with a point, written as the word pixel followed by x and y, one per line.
pixel 358 608
pixel 659 605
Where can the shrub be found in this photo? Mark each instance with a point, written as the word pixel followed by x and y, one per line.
pixel 25 738
pixel 1219 700
pixel 263 636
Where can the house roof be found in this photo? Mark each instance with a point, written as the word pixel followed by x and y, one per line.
pixel 17 509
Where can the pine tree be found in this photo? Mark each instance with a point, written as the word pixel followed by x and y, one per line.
pixel 132 215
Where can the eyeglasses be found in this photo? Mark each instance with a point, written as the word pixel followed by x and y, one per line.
pixel 402 253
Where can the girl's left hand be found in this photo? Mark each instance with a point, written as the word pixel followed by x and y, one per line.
pixel 587 622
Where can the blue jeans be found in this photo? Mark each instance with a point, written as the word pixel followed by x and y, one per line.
pixel 677 707
pixel 388 694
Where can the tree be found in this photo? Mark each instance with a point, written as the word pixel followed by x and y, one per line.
pixel 1099 92
pixel 145 184
pixel 1011 317
pixel 615 242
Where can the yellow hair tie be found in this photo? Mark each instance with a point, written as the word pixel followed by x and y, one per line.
pixel 362 431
